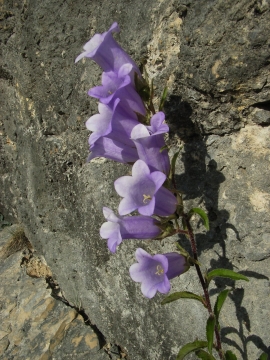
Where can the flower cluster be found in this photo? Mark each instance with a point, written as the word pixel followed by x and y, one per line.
pixel 125 130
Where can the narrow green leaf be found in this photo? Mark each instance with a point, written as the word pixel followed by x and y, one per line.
pixel 229 355
pixel 204 355
pixel 173 161
pixel 202 215
pixel 225 273
pixel 263 356
pixel 210 328
pixel 182 295
pixel 163 98
pixel 220 301
pixel 188 348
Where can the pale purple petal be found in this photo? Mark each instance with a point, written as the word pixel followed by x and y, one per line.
pixel 177 264
pixel 108 229
pixel 108 147
pixel 101 123
pixel 150 150
pixel 110 215
pixel 119 86
pixel 157 124
pixel 164 287
pixel 147 210
pixel 106 52
pixel 123 185
pixel 141 255
pixel 158 178
pixel 126 206
pixel 154 272
pixel 139 227
pixel 139 131
pixel 113 242
pixel 139 190
pixel 151 272
pixel 140 169
pixel 165 202
pixel 124 70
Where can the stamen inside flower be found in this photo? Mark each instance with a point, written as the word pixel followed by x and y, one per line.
pixel 160 270
pixel 146 198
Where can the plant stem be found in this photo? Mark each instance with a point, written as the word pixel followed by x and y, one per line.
pixel 202 281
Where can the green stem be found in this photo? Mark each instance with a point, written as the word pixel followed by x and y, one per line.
pixel 203 283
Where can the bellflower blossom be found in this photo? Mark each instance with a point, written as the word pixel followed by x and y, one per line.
pixel 118 119
pixel 118 85
pixel 142 192
pixel 149 140
pixel 118 228
pixel 106 52
pixel 114 148
pixel 154 272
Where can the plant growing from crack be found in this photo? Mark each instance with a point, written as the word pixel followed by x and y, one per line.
pixel 130 130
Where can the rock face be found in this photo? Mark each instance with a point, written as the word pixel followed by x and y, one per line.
pixel 34 324
pixel 214 56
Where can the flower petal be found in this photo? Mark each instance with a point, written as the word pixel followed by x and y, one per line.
pixel 126 206
pixel 110 215
pixel 165 202
pixel 148 209
pixel 123 185
pixel 140 169
pixel 158 177
pixel 108 229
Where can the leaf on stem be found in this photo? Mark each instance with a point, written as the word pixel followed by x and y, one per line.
pixel 173 161
pixel 202 215
pixel 188 348
pixel 219 302
pixel 210 329
pixel 182 295
pixel 204 355
pixel 263 356
pixel 163 98
pixel 229 355
pixel 224 273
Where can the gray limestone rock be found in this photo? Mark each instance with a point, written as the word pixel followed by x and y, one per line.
pixel 32 323
pixel 214 57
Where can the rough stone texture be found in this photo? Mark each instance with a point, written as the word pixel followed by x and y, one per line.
pixel 214 55
pixel 33 324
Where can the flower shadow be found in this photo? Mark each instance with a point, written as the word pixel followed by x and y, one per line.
pixel 199 181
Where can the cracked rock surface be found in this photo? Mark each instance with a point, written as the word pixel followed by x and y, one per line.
pixel 33 325
pixel 214 57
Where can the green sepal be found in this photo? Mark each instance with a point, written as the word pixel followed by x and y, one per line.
pixel 163 99
pixel 210 329
pixel 263 356
pixel 202 215
pixel 182 295
pixel 229 355
pixel 190 347
pixel 167 229
pixel 204 355
pixel 191 261
pixel 219 302
pixel 224 273
pixel 182 250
